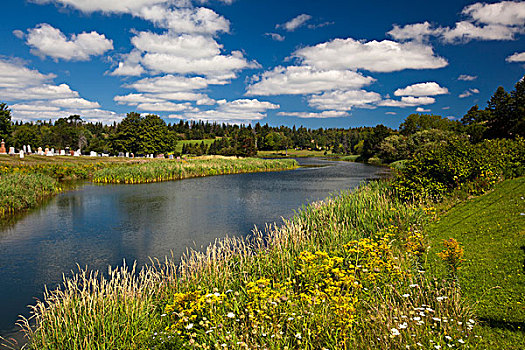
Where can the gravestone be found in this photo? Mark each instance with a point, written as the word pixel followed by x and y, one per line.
pixel 29 149
pixel 62 152
pixel 2 148
pixel 92 154
pixel 52 151
pixel 127 154
pixel 11 151
pixel 21 154
pixel 24 148
pixel 39 151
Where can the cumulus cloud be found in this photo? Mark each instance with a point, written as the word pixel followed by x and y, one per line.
pixel 172 83
pixel 341 100
pixel 468 93
pixel 422 89
pixel 374 56
pixel 297 80
pixel 33 96
pixel 407 101
pixel 422 110
pixel 13 75
pixel 237 111
pixel 46 40
pixel 496 21
pixel 466 77
pixel 516 57
pixel 275 36
pixel 295 22
pixel 323 114
pixel 178 16
pixel 166 106
pixel 135 99
pixel 182 54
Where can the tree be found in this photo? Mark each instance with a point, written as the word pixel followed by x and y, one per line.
pixel 5 122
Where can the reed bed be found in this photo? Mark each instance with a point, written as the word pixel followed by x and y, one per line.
pixel 24 191
pixel 343 273
pixel 167 170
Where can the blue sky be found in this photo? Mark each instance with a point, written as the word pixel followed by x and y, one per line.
pixel 312 63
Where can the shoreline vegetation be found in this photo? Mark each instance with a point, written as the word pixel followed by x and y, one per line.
pixel 26 184
pixel 366 269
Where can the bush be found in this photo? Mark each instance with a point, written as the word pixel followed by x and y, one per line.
pixel 459 165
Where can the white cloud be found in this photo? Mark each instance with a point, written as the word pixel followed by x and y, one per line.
pixel 497 21
pixel 172 83
pixel 391 113
pixel 422 89
pixel 182 54
pixel 417 31
pixel 305 80
pixel 237 111
pixel 341 100
pixel 468 93
pixel 466 77
pixel 166 107
pixel 135 99
pixel 186 20
pixel 46 40
pixel 120 6
pixel 323 114
pixel 295 22
pixel 39 92
pixel 466 31
pixel 516 57
pixel 422 110
pixel 374 56
pixel 178 16
pixel 130 66
pixel 407 101
pixel 13 75
pixel 75 103
pixel 511 13
pixel 275 36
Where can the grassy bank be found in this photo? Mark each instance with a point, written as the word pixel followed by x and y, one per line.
pixel 25 183
pixel 343 273
pixel 165 170
pixel 492 230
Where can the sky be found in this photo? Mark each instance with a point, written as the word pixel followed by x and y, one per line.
pixel 295 62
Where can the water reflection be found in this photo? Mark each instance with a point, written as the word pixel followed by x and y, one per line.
pixel 100 225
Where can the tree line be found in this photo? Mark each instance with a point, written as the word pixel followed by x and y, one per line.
pixel 503 117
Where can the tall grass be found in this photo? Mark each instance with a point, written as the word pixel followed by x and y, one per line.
pixel 23 191
pixel 165 170
pixel 337 275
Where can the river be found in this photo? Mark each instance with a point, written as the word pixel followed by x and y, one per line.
pixel 100 225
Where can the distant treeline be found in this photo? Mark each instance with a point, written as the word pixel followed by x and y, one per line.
pixel 504 117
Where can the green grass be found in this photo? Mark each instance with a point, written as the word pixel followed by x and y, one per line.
pixel 491 229
pixel 178 148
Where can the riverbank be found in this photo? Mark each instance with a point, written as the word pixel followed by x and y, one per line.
pixel 25 183
pixel 337 274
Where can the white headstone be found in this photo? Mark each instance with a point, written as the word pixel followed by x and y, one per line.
pixel 62 152
pixel 127 154
pixel 92 154
pixel 76 154
pixel 52 151
pixel 11 150
pixel 22 154
pixel 24 148
pixel 28 149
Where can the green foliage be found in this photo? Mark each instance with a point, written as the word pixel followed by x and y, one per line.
pixel 459 165
pixel 419 122
pixel 5 122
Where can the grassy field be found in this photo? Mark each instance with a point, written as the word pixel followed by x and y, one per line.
pixel 180 143
pixel 491 229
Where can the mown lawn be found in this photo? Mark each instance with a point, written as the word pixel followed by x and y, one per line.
pixel 491 229
pixel 178 148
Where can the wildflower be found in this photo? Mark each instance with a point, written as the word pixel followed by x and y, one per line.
pixel 298 336
pixel 405 295
pixel 461 341
pixel 417 318
pixel 403 325
pixel 436 319
pixel 441 298
pixel 437 346
pixel 448 337
pixel 471 321
pixel 395 332
pixel 230 315
pixel 414 285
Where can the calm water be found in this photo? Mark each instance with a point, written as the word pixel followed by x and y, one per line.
pixel 100 225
